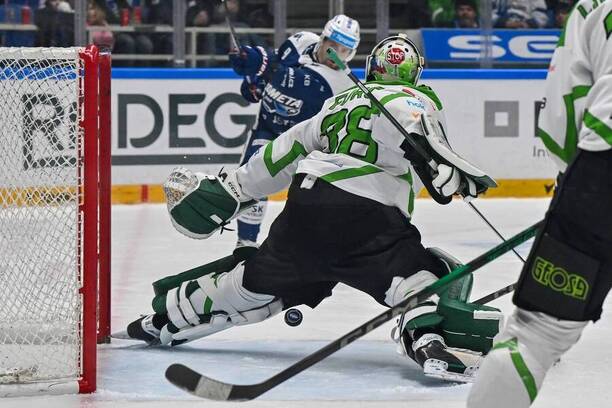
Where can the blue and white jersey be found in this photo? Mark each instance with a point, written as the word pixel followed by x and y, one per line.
pixel 294 91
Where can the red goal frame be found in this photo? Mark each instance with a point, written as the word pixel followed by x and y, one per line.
pixel 94 208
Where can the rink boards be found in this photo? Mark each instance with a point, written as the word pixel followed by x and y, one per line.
pixel 163 118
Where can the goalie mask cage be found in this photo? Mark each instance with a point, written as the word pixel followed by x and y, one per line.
pixel 54 218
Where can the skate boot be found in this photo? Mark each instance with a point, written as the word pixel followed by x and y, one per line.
pixel 245 248
pixel 440 361
pixel 146 328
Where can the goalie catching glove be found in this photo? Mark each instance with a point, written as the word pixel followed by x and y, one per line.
pixel 446 173
pixel 200 204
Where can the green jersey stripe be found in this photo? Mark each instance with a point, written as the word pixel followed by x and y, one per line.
pixel 597 126
pixel 408 178
pixel 350 173
pixel 275 167
pixel 551 145
pixel 566 153
pixel 521 367
pixel 208 305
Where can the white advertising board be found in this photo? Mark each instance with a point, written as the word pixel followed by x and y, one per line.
pixel 202 122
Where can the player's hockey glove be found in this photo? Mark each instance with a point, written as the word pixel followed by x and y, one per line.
pixel 252 61
pixel 200 204
pixel 252 88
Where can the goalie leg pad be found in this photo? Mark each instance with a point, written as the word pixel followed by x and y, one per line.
pixel 226 264
pixel 462 324
pixel 212 303
pixel 468 325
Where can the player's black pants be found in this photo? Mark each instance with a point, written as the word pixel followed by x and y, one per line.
pixel 577 237
pixel 326 235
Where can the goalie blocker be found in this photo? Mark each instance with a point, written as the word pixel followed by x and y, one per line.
pixel 569 272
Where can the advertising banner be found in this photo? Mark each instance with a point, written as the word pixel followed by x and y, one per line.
pixel 511 46
pixel 201 122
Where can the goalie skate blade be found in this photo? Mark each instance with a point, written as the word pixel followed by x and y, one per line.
pixel 201 386
pixel 437 370
pixel 122 335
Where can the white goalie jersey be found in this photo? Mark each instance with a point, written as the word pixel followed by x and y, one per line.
pixel 578 106
pixel 351 145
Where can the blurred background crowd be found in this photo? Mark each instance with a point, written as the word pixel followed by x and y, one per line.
pixel 142 30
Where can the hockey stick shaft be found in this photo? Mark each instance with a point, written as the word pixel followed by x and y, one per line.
pixel 233 36
pixel 495 295
pixel 482 217
pixel 202 386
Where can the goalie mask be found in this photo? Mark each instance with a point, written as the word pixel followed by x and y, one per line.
pixel 395 58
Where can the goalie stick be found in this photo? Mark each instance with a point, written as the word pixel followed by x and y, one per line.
pixel 206 387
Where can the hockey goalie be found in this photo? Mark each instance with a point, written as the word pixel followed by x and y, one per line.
pixel 352 180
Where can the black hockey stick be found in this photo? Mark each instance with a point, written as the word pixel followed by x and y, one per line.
pixel 205 387
pixel 482 217
pixel 233 37
pixel 497 294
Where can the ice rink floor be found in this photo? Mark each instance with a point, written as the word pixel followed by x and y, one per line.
pixel 367 373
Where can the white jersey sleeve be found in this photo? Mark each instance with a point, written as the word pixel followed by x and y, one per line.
pixel 578 104
pixel 271 169
pixel 596 130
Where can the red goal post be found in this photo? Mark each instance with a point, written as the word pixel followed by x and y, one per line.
pixel 54 217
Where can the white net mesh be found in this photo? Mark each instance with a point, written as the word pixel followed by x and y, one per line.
pixel 39 214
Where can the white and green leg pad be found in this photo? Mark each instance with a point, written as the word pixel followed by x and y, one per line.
pixel 448 336
pixel 212 303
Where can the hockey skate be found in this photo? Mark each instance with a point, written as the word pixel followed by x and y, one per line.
pixel 440 361
pixel 144 328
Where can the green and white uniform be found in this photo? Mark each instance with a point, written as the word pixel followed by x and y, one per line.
pixel 578 109
pixel 576 126
pixel 351 145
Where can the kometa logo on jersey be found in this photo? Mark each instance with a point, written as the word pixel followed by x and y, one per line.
pixel 395 56
pixel 281 104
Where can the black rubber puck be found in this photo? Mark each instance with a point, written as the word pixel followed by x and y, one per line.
pixel 293 317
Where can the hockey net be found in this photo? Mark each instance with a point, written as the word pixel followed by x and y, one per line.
pixel 54 217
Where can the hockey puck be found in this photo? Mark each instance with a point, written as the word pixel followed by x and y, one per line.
pixel 293 317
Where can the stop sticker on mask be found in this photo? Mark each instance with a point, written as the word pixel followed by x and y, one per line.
pixel 395 56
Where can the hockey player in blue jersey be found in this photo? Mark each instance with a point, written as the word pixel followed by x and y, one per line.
pixel 291 83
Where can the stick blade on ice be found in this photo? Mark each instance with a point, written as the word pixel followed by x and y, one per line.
pixel 201 386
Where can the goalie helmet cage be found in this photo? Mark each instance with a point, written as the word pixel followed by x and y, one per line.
pixel 54 218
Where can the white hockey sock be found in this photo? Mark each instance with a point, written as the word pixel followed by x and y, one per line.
pixel 513 371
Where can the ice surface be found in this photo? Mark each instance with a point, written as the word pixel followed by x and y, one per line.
pixel 367 373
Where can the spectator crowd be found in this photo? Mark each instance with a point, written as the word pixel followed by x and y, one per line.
pixel 54 21
pixel 505 14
